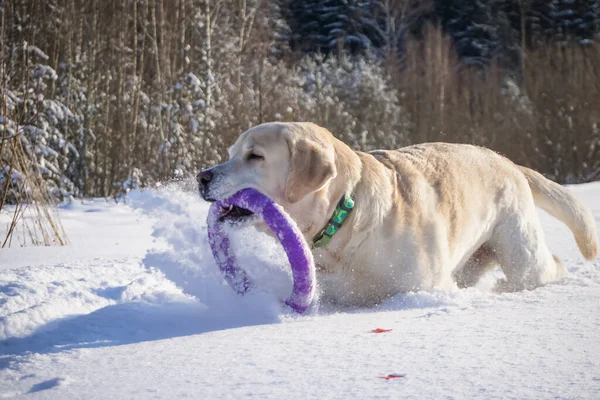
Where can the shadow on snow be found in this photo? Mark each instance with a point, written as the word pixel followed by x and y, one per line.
pixel 128 323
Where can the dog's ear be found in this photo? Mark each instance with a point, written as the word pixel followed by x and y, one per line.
pixel 312 165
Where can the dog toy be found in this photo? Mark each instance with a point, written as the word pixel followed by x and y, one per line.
pixel 245 203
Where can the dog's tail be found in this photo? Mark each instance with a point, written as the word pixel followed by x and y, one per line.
pixel 561 204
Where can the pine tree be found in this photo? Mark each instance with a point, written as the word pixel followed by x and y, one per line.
pixel 482 30
pixel 540 25
pixel 467 21
pixel 563 21
pixel 508 25
pixel 307 22
pixel 576 20
pixel 354 27
pixel 323 26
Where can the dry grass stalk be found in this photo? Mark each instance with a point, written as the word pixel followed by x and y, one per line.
pixel 547 119
pixel 33 215
pixel 32 207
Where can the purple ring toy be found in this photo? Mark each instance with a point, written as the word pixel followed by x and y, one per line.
pixel 298 253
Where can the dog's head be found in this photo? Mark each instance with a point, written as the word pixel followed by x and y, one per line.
pixel 285 161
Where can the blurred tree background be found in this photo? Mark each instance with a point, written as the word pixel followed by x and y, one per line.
pixel 102 96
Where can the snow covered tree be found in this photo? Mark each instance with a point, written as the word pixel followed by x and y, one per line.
pixel 38 123
pixel 308 21
pixel 322 26
pixel 482 30
pixel 563 21
pixel 575 20
pixel 398 20
pixel 352 98
pixel 121 93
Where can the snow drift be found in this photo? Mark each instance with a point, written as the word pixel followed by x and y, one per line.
pixel 137 308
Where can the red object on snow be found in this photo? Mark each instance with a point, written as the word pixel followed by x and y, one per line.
pixel 392 376
pixel 379 330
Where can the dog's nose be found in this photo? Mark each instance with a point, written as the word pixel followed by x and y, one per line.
pixel 204 177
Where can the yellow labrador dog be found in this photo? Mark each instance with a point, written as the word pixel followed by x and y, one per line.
pixel 424 216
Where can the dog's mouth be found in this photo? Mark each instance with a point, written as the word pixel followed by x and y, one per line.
pixel 234 213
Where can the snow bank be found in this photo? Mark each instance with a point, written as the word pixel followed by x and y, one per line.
pixel 121 315
pixel 115 285
pixel 183 255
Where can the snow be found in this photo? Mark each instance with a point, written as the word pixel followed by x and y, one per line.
pixel 135 307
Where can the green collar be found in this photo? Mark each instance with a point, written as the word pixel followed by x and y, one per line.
pixel 342 210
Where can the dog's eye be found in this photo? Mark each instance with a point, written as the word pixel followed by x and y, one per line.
pixel 254 156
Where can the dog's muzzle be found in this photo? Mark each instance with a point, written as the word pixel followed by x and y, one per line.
pixel 204 178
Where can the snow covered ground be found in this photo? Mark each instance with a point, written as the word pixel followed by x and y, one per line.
pixel 136 308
